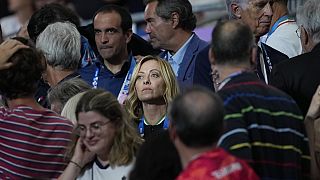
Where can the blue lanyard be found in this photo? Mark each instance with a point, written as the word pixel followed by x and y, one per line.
pixel 141 125
pixel 124 91
pixel 276 24
pixel 125 85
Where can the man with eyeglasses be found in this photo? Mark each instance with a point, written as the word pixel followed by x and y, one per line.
pixel 281 35
pixel 299 76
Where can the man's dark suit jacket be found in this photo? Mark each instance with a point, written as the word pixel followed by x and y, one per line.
pixel 195 67
pixel 299 77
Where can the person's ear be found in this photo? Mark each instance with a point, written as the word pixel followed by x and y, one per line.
pixel 128 35
pixel 236 10
pixel 306 41
pixel 175 19
pixel 172 132
pixel 253 57
pixel 212 58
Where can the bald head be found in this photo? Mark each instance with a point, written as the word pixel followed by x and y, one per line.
pixel 232 42
pixel 197 116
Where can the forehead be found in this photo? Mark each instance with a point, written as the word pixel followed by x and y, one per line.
pixel 255 2
pixel 149 65
pixel 107 19
pixel 86 118
pixel 151 9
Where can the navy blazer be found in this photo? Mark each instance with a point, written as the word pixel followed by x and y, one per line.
pixel 195 67
pixel 299 77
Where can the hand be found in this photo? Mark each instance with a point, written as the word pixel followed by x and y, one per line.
pixel 314 109
pixel 7 49
pixel 82 155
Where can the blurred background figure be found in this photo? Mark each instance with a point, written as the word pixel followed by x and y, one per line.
pixel 22 9
pixel 157 159
pixel 1 38
pixel 60 94
pixel 153 87
pixel 312 123
pixel 36 137
pixel 107 141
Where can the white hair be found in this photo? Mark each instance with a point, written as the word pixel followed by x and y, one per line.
pixel 308 16
pixel 60 43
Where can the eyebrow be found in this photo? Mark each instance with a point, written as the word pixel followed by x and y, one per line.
pixel 150 71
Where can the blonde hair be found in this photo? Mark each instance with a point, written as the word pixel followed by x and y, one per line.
pixel 133 104
pixel 69 109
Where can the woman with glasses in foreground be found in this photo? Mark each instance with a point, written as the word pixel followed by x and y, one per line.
pixel 107 142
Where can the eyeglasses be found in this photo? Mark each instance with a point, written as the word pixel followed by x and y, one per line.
pixel 94 128
pixel 298 32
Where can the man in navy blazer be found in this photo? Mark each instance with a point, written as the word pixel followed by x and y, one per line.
pixel 170 25
pixel 299 76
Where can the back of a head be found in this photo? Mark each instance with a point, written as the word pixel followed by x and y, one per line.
pixel 165 8
pixel 49 14
pixel 232 42
pixel 20 80
pixel 308 16
pixel 197 116
pixel 61 43
pixel 62 92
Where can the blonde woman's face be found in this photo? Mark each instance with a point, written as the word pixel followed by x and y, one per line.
pixel 150 86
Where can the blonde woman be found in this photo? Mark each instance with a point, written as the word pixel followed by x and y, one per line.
pixel 152 87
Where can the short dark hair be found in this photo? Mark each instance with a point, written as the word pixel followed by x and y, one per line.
pixel 48 14
pixel 165 8
pixel 232 42
pixel 126 20
pixel 197 116
pixel 21 79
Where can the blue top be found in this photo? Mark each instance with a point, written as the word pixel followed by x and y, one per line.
pixel 106 79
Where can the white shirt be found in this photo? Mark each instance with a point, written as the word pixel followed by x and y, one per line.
pixel 96 172
pixel 285 39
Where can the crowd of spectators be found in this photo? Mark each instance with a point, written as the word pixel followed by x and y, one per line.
pixel 84 97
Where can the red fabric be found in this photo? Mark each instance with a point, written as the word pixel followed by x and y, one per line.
pixel 217 164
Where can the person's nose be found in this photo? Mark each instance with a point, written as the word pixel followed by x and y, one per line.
pixel 104 38
pixel 89 134
pixel 147 29
pixel 146 80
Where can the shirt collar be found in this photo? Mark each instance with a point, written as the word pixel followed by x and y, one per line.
pixel 178 56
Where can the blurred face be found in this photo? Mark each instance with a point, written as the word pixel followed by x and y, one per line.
pixel 1 39
pixel 96 131
pixel 257 14
pixel 150 85
pixel 158 29
pixel 110 39
pixel 15 5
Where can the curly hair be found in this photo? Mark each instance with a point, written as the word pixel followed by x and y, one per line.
pixel 133 104
pixel 21 79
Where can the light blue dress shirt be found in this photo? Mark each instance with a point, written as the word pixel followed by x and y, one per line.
pixel 176 59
